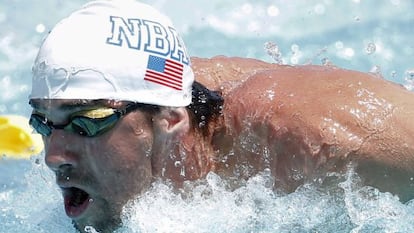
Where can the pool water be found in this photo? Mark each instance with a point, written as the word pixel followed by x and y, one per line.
pixel 370 36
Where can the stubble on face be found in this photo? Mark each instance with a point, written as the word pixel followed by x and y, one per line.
pixel 113 168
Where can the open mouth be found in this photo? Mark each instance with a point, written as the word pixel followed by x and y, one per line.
pixel 76 201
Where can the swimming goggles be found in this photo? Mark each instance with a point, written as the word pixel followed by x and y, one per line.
pixel 88 123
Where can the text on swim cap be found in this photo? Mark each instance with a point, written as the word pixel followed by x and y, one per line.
pixel 149 36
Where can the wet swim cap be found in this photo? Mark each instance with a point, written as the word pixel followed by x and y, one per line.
pixel 123 50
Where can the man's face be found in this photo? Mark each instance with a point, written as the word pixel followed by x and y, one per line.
pixel 97 175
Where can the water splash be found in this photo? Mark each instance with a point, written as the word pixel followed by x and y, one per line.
pixel 35 207
pixel 337 203
pixel 373 211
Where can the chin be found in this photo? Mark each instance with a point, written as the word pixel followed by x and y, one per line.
pixel 108 225
pixel 100 215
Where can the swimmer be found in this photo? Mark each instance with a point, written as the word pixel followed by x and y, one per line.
pixel 119 105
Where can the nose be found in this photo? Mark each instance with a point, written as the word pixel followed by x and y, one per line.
pixel 59 151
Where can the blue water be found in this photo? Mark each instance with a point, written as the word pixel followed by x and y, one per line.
pixel 366 35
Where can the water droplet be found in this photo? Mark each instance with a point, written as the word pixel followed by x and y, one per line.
pixel 409 75
pixel 270 94
pixel 409 80
pixel 273 51
pixel 349 52
pixel 339 45
pixel 90 229
pixel 294 48
pixel 294 60
pixel 40 28
pixel 326 62
pixel 202 99
pixel 272 10
pixel 375 70
pixel 371 48
pixel 182 171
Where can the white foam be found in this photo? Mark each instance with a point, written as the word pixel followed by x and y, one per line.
pixel 335 204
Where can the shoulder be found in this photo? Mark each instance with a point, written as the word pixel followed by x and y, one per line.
pixel 295 88
pixel 221 71
pixel 260 92
pixel 300 99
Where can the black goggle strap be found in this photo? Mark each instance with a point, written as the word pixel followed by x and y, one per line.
pixel 129 108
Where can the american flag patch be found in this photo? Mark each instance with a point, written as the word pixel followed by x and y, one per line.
pixel 165 72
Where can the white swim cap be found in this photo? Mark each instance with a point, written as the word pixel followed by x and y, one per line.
pixel 123 50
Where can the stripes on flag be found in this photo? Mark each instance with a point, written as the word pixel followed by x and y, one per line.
pixel 165 72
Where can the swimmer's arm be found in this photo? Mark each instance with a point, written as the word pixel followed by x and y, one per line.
pixel 330 114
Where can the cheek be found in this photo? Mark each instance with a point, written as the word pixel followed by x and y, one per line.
pixel 125 165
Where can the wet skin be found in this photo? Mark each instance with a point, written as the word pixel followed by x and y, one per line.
pixel 313 119
pixel 308 120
